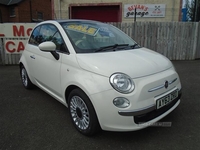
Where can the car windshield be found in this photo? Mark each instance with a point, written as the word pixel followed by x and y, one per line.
pixel 90 37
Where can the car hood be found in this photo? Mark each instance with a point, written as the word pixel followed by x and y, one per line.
pixel 135 63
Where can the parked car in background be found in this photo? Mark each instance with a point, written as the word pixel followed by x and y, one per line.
pixel 103 76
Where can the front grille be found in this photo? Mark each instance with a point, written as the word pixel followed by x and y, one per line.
pixel 155 113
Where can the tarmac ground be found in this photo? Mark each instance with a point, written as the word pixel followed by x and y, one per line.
pixel 31 119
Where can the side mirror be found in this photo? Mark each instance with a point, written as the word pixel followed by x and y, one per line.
pixel 47 46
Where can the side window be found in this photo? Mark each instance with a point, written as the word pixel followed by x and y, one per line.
pixel 60 45
pixel 35 36
pixel 49 32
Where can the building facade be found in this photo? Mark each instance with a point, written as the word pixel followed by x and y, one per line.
pixel 25 10
pixel 118 10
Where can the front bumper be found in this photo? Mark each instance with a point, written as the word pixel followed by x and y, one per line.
pixel 145 117
pixel 142 109
pixel 149 113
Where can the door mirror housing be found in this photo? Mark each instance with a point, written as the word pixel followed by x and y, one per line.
pixel 47 46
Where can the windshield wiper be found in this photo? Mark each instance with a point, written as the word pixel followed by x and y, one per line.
pixel 111 47
pixel 134 46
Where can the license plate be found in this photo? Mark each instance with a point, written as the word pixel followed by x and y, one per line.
pixel 163 101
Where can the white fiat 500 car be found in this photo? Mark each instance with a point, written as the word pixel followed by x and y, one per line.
pixel 103 76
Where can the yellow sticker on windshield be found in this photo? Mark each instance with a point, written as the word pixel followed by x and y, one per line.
pixel 83 29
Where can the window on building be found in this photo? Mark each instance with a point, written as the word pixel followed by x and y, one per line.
pixel 12 12
pixel 40 16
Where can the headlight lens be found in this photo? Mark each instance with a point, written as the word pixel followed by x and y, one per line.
pixel 122 83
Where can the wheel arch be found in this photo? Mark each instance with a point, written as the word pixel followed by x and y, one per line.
pixel 71 88
pixel 68 90
pixel 20 65
pixel 67 94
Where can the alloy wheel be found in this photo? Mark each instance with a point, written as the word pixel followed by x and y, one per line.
pixel 79 112
pixel 24 77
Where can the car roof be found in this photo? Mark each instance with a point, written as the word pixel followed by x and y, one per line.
pixel 73 20
pixel 84 20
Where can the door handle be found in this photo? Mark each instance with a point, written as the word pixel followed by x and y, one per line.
pixel 32 56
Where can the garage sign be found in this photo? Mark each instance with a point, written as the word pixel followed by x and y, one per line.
pixel 144 10
pixel 15 36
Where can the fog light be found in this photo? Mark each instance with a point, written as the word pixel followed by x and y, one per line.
pixel 121 102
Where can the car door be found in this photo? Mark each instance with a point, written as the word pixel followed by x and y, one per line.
pixel 30 48
pixel 46 67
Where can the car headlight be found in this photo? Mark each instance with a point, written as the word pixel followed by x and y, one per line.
pixel 122 83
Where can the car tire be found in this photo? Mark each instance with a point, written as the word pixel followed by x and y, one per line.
pixel 82 113
pixel 25 78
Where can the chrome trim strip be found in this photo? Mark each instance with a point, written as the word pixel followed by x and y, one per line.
pixel 170 82
pixel 137 112
pixel 161 86
pixel 157 88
